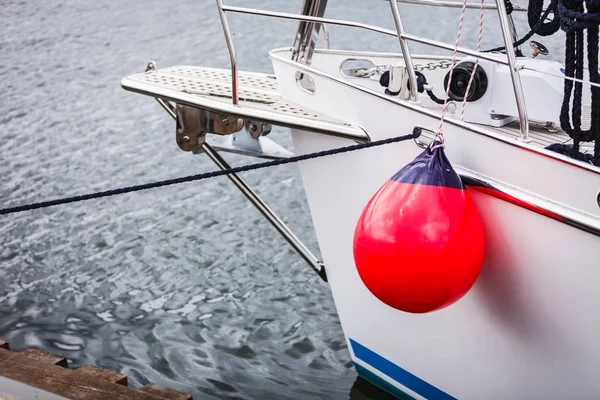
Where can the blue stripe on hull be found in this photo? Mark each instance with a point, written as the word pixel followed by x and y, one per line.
pixel 396 373
pixel 381 383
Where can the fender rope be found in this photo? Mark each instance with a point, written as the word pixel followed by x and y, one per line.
pixel 11 210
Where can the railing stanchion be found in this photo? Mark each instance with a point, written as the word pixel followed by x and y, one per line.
pixel 514 74
pixel 232 56
pixel 412 77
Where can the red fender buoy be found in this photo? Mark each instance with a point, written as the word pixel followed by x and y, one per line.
pixel 419 243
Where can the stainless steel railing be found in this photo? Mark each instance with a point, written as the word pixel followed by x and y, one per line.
pixel 458 4
pixel 412 77
pixel 505 25
pixel 232 56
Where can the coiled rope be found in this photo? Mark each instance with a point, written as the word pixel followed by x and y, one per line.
pixel 573 20
pixel 113 192
pixel 537 22
pixel 570 16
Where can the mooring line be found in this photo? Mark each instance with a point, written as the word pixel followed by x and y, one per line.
pixel 73 199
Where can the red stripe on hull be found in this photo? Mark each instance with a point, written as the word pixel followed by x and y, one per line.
pixel 517 202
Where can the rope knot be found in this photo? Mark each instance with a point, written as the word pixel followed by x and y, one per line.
pixel 421 82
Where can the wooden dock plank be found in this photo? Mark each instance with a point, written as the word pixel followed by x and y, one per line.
pixel 66 382
pixel 111 376
pixel 165 393
pixel 45 357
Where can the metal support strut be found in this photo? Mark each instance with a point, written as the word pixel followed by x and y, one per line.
pixel 264 209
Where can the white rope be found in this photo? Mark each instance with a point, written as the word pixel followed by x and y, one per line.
pixel 464 102
pixel 556 75
pixel 439 134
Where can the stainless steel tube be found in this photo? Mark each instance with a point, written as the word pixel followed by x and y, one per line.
pixel 389 32
pixel 458 4
pixel 281 227
pixel 326 35
pixel 514 74
pixel 412 77
pixel 462 50
pixel 253 11
pixel 232 56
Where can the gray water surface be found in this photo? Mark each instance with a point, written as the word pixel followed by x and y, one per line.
pixel 185 286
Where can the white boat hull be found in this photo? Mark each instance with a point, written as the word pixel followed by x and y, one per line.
pixel 528 327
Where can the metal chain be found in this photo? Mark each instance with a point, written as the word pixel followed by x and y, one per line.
pixel 378 69
pixel 368 72
pixel 444 64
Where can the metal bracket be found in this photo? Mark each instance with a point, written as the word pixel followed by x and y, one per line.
pixel 257 129
pixel 189 132
pixel 399 79
pixel 242 143
pixel 426 138
pixel 192 124
pixel 195 127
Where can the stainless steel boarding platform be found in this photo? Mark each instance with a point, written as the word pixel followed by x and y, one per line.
pixel 200 101
pixel 259 100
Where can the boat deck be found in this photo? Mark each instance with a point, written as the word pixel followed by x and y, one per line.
pixel 537 132
pixel 259 99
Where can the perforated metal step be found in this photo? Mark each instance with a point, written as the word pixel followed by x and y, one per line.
pixel 259 99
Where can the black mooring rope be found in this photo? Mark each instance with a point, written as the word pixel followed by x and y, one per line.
pixel 573 20
pixel 570 16
pixel 384 80
pixel 536 22
pixel 10 210
pixel 421 82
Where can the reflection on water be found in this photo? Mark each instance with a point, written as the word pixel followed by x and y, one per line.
pixel 363 390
